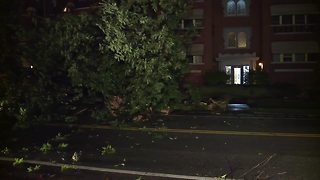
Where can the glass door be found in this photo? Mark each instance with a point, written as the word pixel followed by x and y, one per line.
pixel 237 75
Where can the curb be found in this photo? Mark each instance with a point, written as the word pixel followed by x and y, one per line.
pixel 116 171
pixel 259 116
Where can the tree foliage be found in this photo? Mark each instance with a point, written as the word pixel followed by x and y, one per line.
pixel 11 71
pixel 141 35
pixel 124 60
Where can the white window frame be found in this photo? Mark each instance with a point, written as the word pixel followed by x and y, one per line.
pixel 293 16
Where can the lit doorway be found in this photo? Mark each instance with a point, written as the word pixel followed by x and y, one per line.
pixel 238 74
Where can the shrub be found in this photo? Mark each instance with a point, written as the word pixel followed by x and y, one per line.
pixel 195 95
pixel 216 78
pixel 259 78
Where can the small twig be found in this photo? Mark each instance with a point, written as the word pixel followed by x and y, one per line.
pixel 271 176
pixel 264 162
pixel 77 113
pixel 260 174
pixel 282 173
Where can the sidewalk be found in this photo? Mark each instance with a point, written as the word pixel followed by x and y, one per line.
pixel 262 112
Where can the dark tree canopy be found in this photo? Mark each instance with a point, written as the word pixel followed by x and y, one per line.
pixel 126 59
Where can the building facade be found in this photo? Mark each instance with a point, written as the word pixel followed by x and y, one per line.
pixel 239 36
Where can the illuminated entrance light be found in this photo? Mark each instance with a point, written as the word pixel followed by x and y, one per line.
pixel 260 66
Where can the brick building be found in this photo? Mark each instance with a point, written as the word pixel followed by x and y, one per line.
pixel 238 36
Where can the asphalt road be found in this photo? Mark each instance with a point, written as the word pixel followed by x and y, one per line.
pixel 245 122
pixel 245 156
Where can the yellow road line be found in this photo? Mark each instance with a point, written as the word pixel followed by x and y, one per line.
pixel 198 131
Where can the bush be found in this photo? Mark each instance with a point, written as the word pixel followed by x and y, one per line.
pixel 195 95
pixel 234 91
pixel 259 78
pixel 216 78
pixel 284 90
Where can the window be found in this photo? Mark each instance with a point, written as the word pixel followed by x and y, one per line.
pixel 195 53
pixel 299 19
pixel 295 57
pixel 231 8
pixel 236 8
pixel 242 40
pixel 245 74
pixel 286 19
pixel 299 57
pixel 287 57
pixel 187 23
pixel 312 18
pixel 276 58
pixel 192 23
pixel 275 20
pixel 236 40
pixel 228 73
pixel 237 75
pixel 198 23
pixel 293 23
pixel 190 59
pixel 231 40
pixel 312 57
pixel 195 59
pixel 241 7
pixel 237 37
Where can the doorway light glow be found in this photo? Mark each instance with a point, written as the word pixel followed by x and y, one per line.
pixel 261 66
